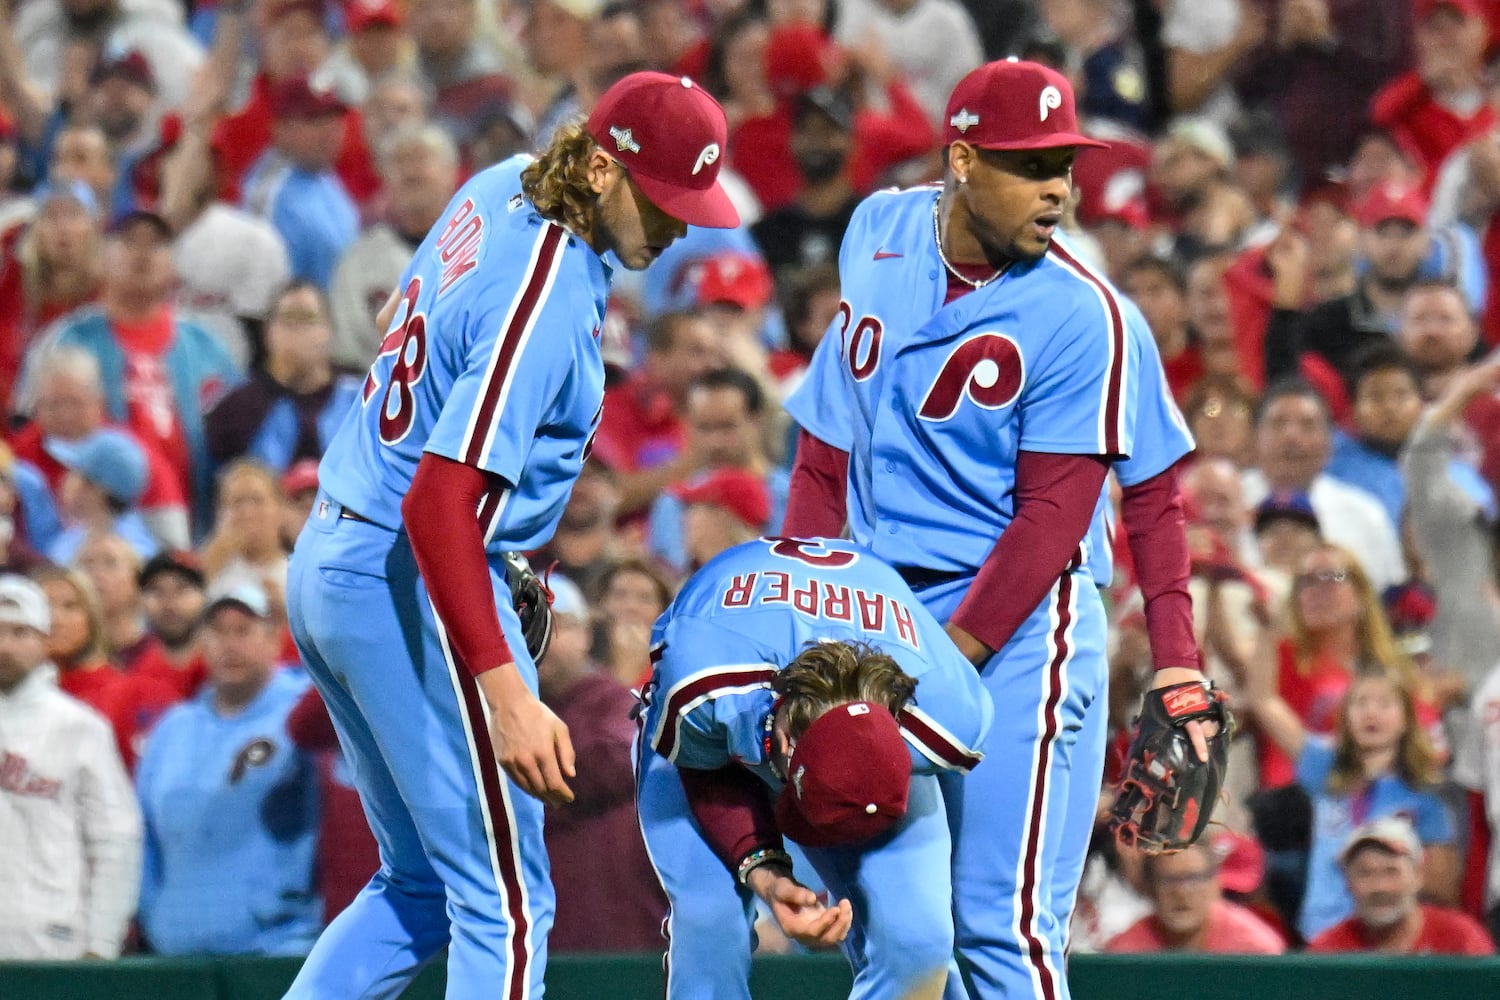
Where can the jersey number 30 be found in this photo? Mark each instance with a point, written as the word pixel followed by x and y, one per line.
pixel 408 342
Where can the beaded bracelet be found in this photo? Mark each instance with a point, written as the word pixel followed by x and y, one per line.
pixel 764 856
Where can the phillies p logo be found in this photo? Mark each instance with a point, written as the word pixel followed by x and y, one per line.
pixel 987 368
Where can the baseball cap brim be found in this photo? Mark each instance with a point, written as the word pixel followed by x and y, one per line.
pixel 856 829
pixel 708 207
pixel 1053 141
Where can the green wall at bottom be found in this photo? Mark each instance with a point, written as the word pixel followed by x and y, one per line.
pixel 639 977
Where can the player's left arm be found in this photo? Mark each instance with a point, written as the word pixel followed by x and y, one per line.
pixel 1054 498
pixel 817 502
pixel 1152 513
pixel 736 817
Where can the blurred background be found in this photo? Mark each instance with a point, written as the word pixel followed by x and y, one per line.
pixel 203 205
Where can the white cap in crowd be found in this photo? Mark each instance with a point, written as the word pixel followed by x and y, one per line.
pixel 23 603
pixel 567 599
pixel 1394 834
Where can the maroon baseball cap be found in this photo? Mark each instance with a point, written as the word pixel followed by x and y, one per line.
pixel 848 778
pixel 743 494
pixel 1013 104
pixel 296 98
pixel 671 135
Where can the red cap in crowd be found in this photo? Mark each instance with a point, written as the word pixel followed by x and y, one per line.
pixel 302 476
pixel 1391 202
pixel 1241 860
pixel 671 135
pixel 799 58
pixel 1014 104
pixel 296 98
pixel 848 778
pixel 129 66
pixel 742 493
pixel 362 14
pixel 733 278
pixel 1423 9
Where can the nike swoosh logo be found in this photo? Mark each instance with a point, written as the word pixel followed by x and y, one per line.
pixel 886 254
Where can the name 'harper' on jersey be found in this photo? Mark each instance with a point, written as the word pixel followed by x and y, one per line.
pixel 816 598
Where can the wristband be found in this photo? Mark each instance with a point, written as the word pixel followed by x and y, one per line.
pixel 764 856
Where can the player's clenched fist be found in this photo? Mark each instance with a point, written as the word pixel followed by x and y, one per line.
pixel 531 743
pixel 798 912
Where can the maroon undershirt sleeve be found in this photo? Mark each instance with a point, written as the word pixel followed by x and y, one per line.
pixel 1154 524
pixel 440 514
pixel 1055 496
pixel 734 811
pixel 816 503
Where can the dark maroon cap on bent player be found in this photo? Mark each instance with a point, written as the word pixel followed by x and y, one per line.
pixel 848 778
pixel 1013 104
pixel 671 135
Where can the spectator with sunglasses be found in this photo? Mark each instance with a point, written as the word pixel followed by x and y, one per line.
pixel 1336 628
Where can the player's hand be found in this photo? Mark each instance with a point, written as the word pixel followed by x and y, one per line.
pixel 531 743
pixel 974 651
pixel 1197 731
pixel 798 911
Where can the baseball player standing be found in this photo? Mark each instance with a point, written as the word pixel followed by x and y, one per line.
pixel 805 673
pixel 962 415
pixel 474 422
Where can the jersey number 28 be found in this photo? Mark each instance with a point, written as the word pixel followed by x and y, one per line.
pixel 408 342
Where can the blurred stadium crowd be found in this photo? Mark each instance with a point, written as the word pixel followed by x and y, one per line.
pixel 203 205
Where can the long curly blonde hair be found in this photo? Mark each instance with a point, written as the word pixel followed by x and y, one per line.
pixel 557 181
pixel 1416 763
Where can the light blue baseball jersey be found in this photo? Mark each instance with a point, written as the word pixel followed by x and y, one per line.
pixel 231 819
pixel 934 401
pixel 492 359
pixel 749 611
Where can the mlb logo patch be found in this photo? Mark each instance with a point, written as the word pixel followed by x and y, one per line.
pixel 322 510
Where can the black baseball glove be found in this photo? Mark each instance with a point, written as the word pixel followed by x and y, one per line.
pixel 1167 794
pixel 532 599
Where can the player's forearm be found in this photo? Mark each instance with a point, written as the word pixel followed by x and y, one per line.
pixel 734 812
pixel 1155 529
pixel 1055 500
pixel 448 544
pixel 817 500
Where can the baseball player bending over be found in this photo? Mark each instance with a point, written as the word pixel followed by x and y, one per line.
pixel 800 689
pixel 473 424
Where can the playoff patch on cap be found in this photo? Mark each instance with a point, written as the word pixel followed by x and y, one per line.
pixel 670 134
pixel 1014 104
